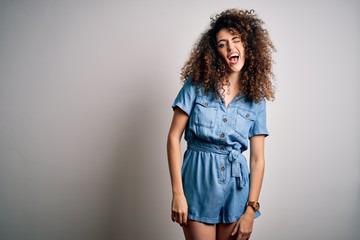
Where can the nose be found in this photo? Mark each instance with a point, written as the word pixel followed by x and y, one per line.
pixel 230 46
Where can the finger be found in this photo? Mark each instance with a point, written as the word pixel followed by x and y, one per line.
pixel 242 237
pixel 234 231
pixel 246 236
pixel 180 218
pixel 176 218
pixel 185 218
pixel 173 216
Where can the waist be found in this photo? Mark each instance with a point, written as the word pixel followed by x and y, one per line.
pixel 239 168
pixel 212 147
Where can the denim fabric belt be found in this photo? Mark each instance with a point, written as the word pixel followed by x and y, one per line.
pixel 239 168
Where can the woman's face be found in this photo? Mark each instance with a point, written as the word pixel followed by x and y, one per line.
pixel 231 49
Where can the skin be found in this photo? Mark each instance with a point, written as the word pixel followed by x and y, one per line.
pixel 227 43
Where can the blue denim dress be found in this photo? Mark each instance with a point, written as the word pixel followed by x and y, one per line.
pixel 215 173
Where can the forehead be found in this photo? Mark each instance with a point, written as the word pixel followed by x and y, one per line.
pixel 225 33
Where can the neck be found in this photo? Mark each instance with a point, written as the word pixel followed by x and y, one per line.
pixel 234 78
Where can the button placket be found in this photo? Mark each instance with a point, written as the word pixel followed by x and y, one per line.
pixel 221 171
pixel 225 120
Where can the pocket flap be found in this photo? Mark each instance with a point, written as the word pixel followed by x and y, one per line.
pixel 247 114
pixel 203 102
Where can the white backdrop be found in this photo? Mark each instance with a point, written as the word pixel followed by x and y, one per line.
pixel 85 95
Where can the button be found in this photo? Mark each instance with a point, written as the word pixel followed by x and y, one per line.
pixel 247 115
pixel 222 148
pixel 222 168
pixel 206 103
pixel 222 135
pixel 225 119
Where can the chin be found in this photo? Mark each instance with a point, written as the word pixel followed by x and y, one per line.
pixel 235 69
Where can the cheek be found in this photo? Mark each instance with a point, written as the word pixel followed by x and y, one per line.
pixel 243 52
pixel 242 49
pixel 222 55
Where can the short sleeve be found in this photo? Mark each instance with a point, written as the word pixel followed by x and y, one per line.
pixel 259 126
pixel 186 97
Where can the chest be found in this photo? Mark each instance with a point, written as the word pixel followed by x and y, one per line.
pixel 214 116
pixel 229 96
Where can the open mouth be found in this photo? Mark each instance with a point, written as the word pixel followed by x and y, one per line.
pixel 234 58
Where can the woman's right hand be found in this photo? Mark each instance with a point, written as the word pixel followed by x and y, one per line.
pixel 179 209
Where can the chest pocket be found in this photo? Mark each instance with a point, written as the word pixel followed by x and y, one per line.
pixel 244 120
pixel 205 112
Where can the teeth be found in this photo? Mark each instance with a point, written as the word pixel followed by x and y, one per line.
pixel 234 55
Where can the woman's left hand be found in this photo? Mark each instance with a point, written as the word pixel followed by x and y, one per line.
pixel 244 226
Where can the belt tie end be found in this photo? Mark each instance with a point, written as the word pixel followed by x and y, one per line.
pixel 239 168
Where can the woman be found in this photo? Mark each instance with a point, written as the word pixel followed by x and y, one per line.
pixel 221 107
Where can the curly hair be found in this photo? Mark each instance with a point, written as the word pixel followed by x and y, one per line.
pixel 205 66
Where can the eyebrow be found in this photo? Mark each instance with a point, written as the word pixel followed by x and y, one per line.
pixel 225 39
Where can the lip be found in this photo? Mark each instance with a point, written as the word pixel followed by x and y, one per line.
pixel 233 54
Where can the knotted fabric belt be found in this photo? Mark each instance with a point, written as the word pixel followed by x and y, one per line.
pixel 239 168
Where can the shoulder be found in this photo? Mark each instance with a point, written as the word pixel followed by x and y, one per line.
pixel 190 85
pixel 254 106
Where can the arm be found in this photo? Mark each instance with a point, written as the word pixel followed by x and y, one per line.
pixel 257 165
pixel 179 208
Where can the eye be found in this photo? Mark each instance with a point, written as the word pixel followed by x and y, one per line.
pixel 221 45
pixel 237 40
